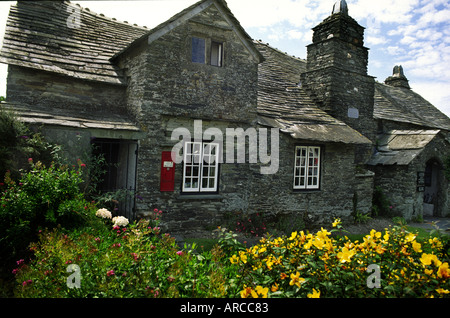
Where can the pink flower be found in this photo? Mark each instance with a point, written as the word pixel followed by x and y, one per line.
pixel 179 253
pixel 83 165
pixel 110 273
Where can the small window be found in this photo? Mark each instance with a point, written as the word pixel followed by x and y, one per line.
pixel 307 167
pixel 198 50
pixel 216 53
pixel 200 167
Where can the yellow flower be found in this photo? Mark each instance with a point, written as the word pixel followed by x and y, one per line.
pixel 318 243
pixel 375 234
pixel 410 237
pixel 386 236
pixel 379 249
pixel 435 242
pixel 323 233
pixel 416 247
pixel 442 291
pixel 247 292
pixel 336 222
pixel 315 294
pixel 345 255
pixel 261 291
pixel 296 279
pixel 274 288
pixel 293 236
pixel 243 256
pixel 234 259
pixel 443 271
pixel 426 259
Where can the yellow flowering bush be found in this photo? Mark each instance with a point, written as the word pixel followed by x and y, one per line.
pixel 326 265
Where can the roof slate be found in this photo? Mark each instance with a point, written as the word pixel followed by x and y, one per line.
pixel 37 36
pixel 400 147
pixel 404 105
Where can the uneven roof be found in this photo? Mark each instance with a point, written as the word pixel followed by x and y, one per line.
pixel 284 104
pixel 64 117
pixel 44 35
pixel 404 105
pixel 400 147
pixel 41 35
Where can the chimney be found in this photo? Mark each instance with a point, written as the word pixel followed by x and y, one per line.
pixel 398 79
pixel 336 71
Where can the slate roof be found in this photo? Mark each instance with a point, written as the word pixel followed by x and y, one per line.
pixel 404 105
pixel 282 103
pixel 37 36
pixel 400 147
pixel 66 118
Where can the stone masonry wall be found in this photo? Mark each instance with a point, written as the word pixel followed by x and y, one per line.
pixel 48 91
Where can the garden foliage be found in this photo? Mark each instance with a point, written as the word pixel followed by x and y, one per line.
pixel 133 260
pixel 137 260
pixel 320 265
pixel 43 197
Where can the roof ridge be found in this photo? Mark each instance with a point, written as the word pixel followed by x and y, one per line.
pixel 279 51
pixel 101 15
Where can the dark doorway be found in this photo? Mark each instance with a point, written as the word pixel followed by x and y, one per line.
pixel 119 179
pixel 432 194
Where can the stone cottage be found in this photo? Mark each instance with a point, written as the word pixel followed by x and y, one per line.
pixel 201 121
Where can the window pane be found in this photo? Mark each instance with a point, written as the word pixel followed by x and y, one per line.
pixel 198 50
pixel 307 167
pixel 216 53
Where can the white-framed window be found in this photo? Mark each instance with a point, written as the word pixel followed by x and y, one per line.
pixel 200 167
pixel 307 167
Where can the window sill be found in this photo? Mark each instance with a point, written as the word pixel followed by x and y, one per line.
pixel 202 196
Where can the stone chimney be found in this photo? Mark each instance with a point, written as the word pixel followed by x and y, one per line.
pixel 398 79
pixel 336 71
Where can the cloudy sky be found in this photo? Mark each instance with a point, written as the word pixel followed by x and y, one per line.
pixel 411 33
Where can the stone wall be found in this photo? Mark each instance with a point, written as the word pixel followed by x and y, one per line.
pixel 399 182
pixel 62 94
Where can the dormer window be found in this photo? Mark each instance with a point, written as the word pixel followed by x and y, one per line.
pixel 206 51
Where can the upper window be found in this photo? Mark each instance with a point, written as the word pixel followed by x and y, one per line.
pixel 198 50
pixel 216 53
pixel 205 51
pixel 200 167
pixel 307 167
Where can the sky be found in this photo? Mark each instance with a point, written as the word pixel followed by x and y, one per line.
pixel 411 33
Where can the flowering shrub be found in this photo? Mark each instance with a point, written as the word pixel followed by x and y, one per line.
pixel 137 260
pixel 42 197
pixel 132 261
pixel 319 265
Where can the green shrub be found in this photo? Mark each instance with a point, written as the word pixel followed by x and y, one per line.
pixel 18 143
pixel 42 197
pixel 132 261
